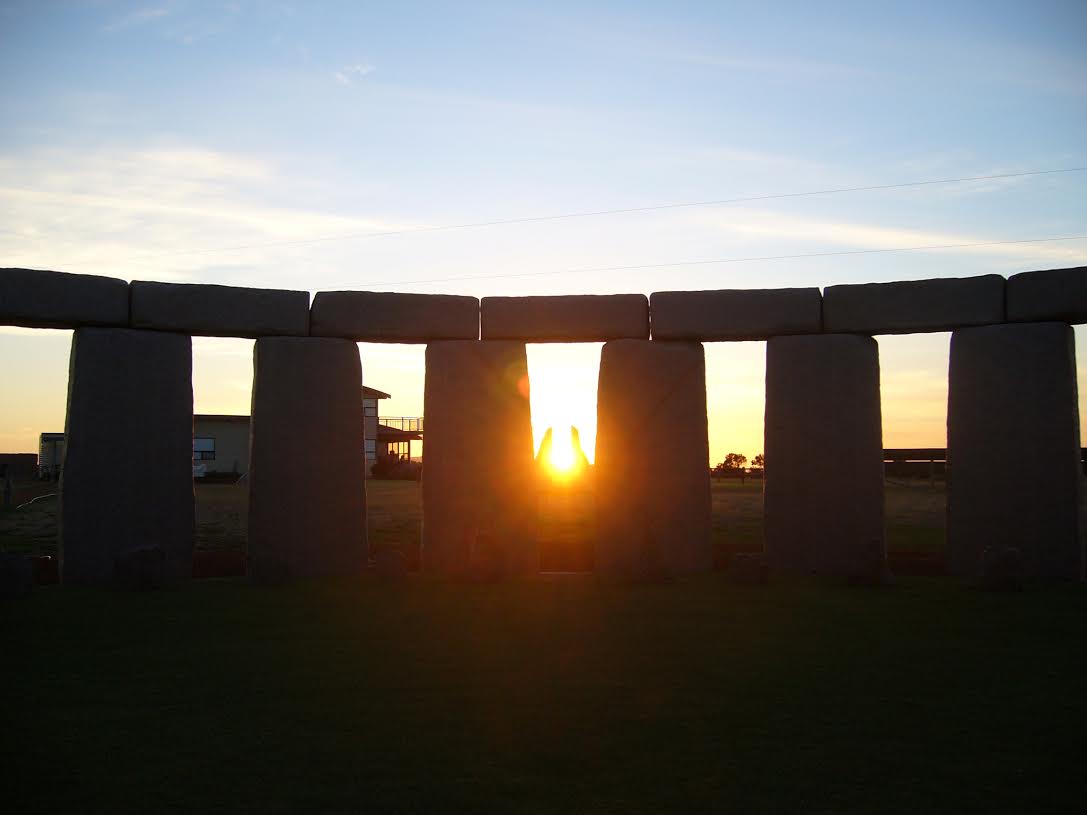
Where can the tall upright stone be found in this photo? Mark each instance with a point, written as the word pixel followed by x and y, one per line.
pixel 479 490
pixel 307 500
pixel 126 482
pixel 823 494
pixel 652 459
pixel 1014 449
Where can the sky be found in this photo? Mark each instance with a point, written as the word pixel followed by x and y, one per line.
pixel 262 144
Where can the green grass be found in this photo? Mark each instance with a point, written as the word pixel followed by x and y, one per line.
pixel 544 696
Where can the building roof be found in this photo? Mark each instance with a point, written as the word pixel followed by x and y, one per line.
pixel 221 417
pixel 374 393
pixel 391 434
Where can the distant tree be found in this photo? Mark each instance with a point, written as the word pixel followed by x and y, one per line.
pixel 733 464
pixel 759 461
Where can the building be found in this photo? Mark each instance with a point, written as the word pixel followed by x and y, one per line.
pixel 50 454
pixel 220 445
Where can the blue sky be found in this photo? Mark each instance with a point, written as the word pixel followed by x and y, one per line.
pixel 139 135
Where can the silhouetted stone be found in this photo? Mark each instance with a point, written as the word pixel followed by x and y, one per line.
pixel 377 316
pixel 219 311
pixel 1013 449
pixel 479 477
pixel 911 306
pixel 140 569
pixel 46 571
pixel 823 493
pixel 747 568
pixel 652 453
pixel 127 477
pixel 1059 295
pixel 735 314
pixel 1002 568
pixel 867 564
pixel 565 318
pixel 41 299
pixel 307 505
pixel 390 564
pixel 16 575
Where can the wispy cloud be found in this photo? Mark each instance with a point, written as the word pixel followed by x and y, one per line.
pixel 136 18
pixel 791 229
pixel 348 74
pixel 115 212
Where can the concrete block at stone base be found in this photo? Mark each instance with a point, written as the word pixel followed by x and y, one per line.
pixel 479 490
pixel 1059 295
pixel 914 306
pixel 569 318
pixel 735 314
pixel 126 482
pixel 374 316
pixel 1014 472
pixel 219 311
pixel 307 500
pixel 41 299
pixel 823 491
pixel 652 460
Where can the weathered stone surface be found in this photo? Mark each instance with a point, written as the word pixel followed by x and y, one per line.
pixel 307 504
pixel 41 299
pixel 1059 295
pixel 141 569
pixel 735 314
pixel 570 318
pixel 374 316
pixel 479 509
pixel 127 477
pixel 1013 449
pixel 390 564
pixel 747 568
pixel 823 495
pixel 16 575
pixel 652 460
pixel 914 306
pixel 219 311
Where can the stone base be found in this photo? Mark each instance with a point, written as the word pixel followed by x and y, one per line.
pixel 823 493
pixel 652 460
pixel 1013 449
pixel 479 489
pixel 127 477
pixel 307 500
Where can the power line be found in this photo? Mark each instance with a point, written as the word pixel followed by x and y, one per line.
pixel 640 266
pixel 602 212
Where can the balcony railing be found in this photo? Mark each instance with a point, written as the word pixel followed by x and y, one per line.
pixel 413 424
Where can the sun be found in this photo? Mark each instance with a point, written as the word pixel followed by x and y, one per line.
pixel 562 457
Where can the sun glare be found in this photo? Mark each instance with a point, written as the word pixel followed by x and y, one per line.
pixel 562 452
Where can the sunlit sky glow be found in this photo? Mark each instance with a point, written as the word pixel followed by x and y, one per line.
pixel 216 142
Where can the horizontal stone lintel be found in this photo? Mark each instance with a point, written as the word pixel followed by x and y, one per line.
pixel 372 316
pixel 914 306
pixel 735 314
pixel 42 299
pixel 1053 294
pixel 219 311
pixel 565 318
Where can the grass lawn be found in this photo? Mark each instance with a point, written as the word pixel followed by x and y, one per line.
pixel 559 694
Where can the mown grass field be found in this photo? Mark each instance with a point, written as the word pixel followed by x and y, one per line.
pixel 556 694
pixel 561 693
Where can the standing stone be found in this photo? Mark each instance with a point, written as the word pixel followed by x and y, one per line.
pixel 823 493
pixel 652 460
pixel 1013 449
pixel 307 500
pixel 126 482
pixel 479 490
